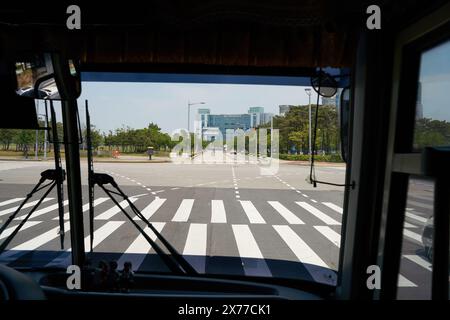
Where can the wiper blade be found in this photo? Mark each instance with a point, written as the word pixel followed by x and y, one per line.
pixel 175 261
pixel 60 172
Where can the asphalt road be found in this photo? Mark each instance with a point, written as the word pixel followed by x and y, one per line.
pixel 224 218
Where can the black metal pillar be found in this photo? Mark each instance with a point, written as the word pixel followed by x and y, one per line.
pixel 72 154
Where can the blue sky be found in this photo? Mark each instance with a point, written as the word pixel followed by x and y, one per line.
pixel 135 104
pixel 435 79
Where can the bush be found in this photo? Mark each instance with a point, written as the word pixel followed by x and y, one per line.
pixel 305 157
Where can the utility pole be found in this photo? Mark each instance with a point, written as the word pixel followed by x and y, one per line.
pixel 189 113
pixel 308 92
pixel 37 133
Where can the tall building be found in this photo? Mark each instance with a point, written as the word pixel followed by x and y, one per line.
pixel 201 120
pixel 207 125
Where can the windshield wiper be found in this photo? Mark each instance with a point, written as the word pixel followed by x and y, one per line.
pixel 175 260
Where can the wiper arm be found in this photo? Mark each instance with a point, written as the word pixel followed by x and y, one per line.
pixel 174 261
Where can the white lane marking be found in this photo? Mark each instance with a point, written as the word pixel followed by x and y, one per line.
pixel 195 247
pixel 184 210
pixel 138 250
pixel 25 226
pixel 85 207
pixel 108 214
pixel 251 212
pixel 330 234
pixel 319 214
pixel 420 204
pixel 313 200
pixel 403 282
pixel 285 213
pixel 409 225
pixel 303 252
pixel 41 239
pixel 42 211
pixel 218 214
pixel 251 256
pixel 412 235
pixel 305 195
pixel 416 217
pixel 4 203
pixel 333 207
pixel 149 189
pixel 419 260
pixel 27 205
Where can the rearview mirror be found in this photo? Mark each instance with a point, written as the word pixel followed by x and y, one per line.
pixel 47 76
pixel 324 84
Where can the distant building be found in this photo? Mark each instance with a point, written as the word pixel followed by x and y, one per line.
pixel 284 109
pixel 209 125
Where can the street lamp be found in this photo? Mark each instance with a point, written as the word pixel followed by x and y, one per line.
pixel 308 92
pixel 189 113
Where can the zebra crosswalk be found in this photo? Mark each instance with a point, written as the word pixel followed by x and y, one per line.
pixel 258 233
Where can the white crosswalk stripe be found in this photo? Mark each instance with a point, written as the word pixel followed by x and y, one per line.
pixel 136 252
pixel 184 210
pixel 41 239
pixel 312 262
pixel 252 259
pixel 412 235
pixel 102 233
pixel 218 214
pixel 330 234
pixel 25 226
pixel 27 205
pixel 42 211
pixel 416 217
pixel 285 213
pixel 195 246
pixel 419 260
pixel 99 236
pixel 317 213
pixel 150 210
pixel 252 213
pixel 409 225
pixel 334 207
pixel 5 203
pixel 404 282
pixel 85 207
pixel 108 214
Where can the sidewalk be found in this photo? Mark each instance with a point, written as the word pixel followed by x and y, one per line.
pixel 120 159
pixel 316 163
